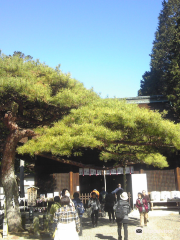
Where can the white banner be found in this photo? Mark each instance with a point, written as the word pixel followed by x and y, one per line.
pixel 119 170
pixel 114 171
pixel 107 172
pixel 86 171
pixel 139 183
pixel 92 172
pixel 99 172
pixel 80 171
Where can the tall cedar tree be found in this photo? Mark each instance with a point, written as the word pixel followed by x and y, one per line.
pixel 164 75
pixel 31 95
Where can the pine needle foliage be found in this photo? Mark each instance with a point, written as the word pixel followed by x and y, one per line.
pixel 37 93
pixel 122 132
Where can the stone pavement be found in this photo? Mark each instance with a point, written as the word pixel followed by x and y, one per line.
pixel 163 225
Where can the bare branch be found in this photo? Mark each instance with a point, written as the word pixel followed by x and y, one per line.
pixel 9 121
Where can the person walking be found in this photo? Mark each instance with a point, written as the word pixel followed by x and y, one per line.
pixel 54 207
pixel 97 193
pixel 65 192
pixel 141 204
pixel 117 192
pixel 102 200
pixel 144 195
pixel 67 219
pixel 79 208
pixel 119 188
pixel 109 204
pixel 122 209
pixel 94 204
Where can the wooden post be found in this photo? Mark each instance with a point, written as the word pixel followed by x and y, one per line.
pixel 71 183
pixel 124 178
pixel 104 172
pixel 129 197
pixel 177 176
pixel 141 171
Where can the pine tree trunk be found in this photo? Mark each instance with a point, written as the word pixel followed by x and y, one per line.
pixel 9 183
pixel 8 174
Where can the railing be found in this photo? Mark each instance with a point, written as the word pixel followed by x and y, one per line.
pixel 85 197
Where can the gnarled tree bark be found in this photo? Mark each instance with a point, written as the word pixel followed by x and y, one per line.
pixel 8 174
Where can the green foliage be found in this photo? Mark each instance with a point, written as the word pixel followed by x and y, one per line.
pixel 123 132
pixel 35 81
pixel 68 118
pixel 37 94
pixel 54 208
pixel 163 77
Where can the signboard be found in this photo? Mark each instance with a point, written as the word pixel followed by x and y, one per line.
pixel 139 183
pixel 56 194
pixel 32 196
pixel 49 195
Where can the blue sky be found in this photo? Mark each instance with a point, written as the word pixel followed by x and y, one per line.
pixel 105 44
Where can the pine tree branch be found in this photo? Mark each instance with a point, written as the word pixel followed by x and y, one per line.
pixel 78 164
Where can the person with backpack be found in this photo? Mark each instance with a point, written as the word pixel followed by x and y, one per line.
pixel 142 205
pixel 94 205
pixel 122 209
pixel 109 203
pixel 67 220
pixel 102 200
pixel 79 208
pixel 97 193
pixel 146 196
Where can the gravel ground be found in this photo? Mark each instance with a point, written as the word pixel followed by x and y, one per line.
pixel 161 225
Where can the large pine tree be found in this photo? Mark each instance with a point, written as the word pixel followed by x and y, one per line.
pixel 31 94
pixel 163 77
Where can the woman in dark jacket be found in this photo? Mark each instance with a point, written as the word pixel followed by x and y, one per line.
pixel 126 210
pixel 142 205
pixel 109 203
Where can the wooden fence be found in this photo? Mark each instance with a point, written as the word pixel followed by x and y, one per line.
pixel 85 197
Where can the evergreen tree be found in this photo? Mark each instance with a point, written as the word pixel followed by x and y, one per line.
pixel 163 77
pixel 31 95
pixel 120 131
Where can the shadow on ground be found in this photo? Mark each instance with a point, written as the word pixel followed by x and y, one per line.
pixel 101 236
pixel 87 223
